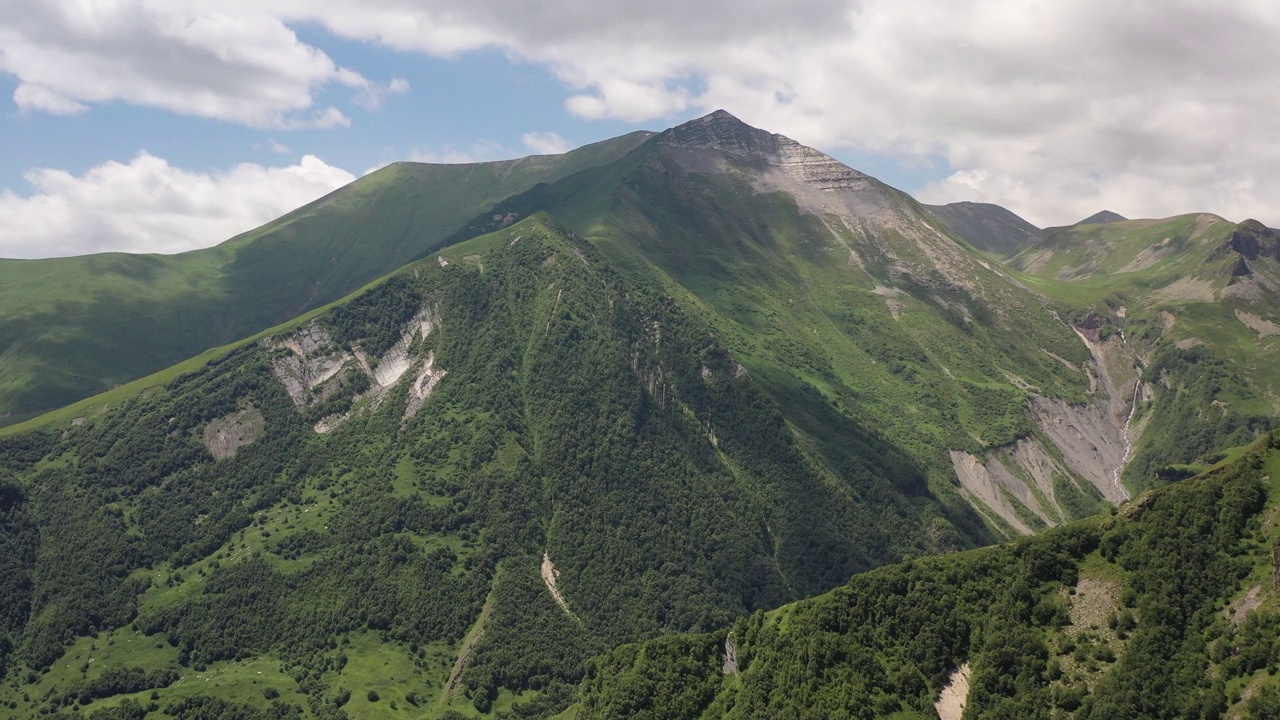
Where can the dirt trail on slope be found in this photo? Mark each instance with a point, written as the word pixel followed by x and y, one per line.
pixel 549 574
pixel 955 695
pixel 469 644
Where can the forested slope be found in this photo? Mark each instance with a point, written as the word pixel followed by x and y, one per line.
pixel 1167 609
pixel 366 512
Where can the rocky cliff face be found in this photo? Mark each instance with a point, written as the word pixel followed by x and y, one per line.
pixel 723 134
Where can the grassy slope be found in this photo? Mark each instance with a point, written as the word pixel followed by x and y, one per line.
pixel 1167 282
pixel 1101 266
pixel 989 228
pixel 72 327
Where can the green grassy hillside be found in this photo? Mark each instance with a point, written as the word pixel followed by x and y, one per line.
pixel 1167 609
pixel 1195 300
pixel 73 327
pixel 440 496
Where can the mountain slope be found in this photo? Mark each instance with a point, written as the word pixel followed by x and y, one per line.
pixel 850 302
pixel 490 466
pixel 1166 610
pixel 73 327
pixel 1187 307
pixel 989 228
pixel 861 315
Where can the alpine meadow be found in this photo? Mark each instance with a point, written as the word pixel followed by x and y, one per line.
pixel 692 424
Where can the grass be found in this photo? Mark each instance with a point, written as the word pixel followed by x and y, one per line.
pixel 242 681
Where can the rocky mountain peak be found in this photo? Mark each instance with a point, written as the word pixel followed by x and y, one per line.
pixel 1253 240
pixel 723 133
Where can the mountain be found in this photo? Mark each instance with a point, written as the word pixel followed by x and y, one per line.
pixel 1102 217
pixel 74 327
pixel 482 470
pixel 989 228
pixel 1190 304
pixel 1167 609
pixel 685 378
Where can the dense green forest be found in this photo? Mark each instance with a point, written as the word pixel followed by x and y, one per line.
pixel 1167 609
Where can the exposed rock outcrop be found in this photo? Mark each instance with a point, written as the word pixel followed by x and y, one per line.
pixel 312 360
pixel 312 366
pixel 428 377
pixel 224 436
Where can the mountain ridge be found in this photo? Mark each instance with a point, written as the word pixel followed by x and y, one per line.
pixel 72 327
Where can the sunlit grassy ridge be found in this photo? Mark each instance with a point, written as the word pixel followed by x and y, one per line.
pixel 1199 295
pixel 73 327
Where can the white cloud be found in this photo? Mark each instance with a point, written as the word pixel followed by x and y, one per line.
pixel 1054 108
pixel 231 61
pixel 147 205
pixel 478 151
pixel 545 143
pixel 374 95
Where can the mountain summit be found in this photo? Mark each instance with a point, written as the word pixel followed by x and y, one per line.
pixel 721 132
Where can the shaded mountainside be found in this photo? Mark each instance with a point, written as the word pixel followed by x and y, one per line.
pixel 445 493
pixel 1102 216
pixel 1168 609
pixel 74 327
pixel 989 228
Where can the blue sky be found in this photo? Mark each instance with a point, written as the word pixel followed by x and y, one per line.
pixel 478 104
pixel 143 126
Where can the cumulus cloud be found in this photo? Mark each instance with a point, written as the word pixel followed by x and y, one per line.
pixel 545 143
pixel 147 205
pixel 233 61
pixel 1054 108
pixel 373 95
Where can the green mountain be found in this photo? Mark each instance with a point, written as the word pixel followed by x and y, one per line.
pixel 1190 306
pixel 1167 609
pixel 74 327
pixel 848 301
pixel 653 387
pixel 1102 216
pixel 493 464
pixel 989 228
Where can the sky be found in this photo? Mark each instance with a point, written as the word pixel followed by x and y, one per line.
pixel 169 125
